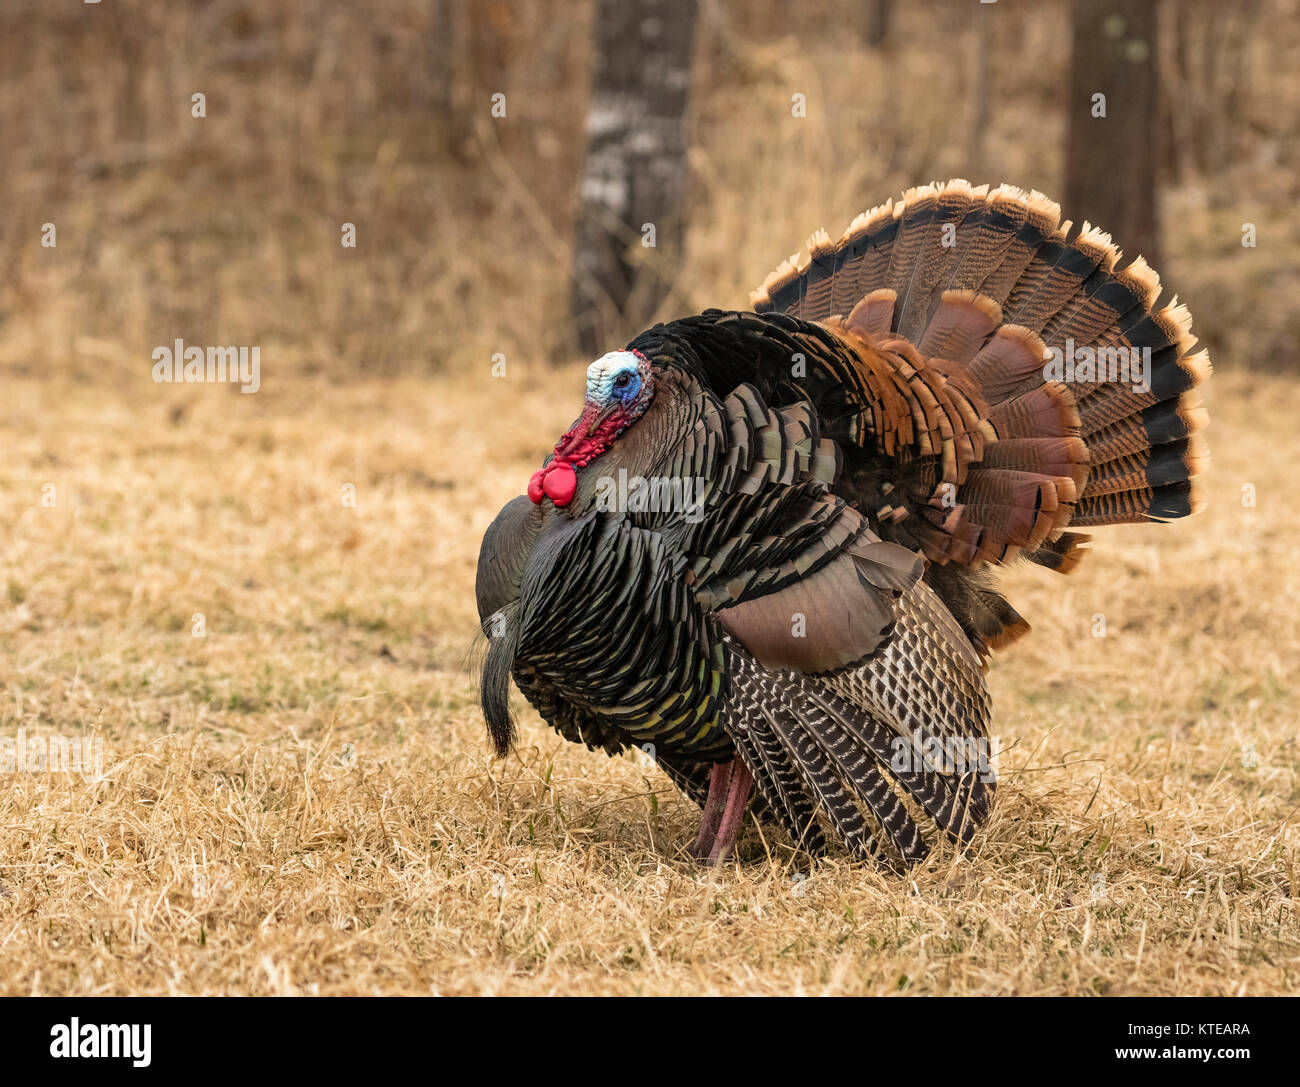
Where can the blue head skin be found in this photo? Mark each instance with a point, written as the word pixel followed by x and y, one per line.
pixel 619 386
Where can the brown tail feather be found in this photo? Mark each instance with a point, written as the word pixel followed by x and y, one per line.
pixel 1008 266
pixel 1018 321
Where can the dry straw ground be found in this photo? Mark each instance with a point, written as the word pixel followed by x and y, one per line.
pixel 302 800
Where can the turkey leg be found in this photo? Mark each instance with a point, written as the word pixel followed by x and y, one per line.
pixel 724 811
pixel 711 819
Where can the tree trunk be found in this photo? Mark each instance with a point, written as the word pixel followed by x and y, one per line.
pixel 631 224
pixel 446 41
pixel 875 30
pixel 1111 160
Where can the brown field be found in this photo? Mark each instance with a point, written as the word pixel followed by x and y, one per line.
pixel 301 799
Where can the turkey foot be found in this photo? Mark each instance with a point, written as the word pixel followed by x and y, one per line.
pixel 724 811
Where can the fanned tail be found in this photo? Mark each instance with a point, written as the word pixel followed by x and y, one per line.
pixel 1018 382
pixel 991 281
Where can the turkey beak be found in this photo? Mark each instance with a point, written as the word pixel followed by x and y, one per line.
pixel 584 426
pixel 599 418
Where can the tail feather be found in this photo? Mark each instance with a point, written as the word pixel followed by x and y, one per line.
pixel 987 283
pixel 919 275
pixel 959 327
pixel 1018 260
pixel 1062 554
pixel 988 231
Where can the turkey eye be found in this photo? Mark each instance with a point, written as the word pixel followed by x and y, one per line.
pixel 621 381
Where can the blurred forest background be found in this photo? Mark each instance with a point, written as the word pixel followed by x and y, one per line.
pixel 225 228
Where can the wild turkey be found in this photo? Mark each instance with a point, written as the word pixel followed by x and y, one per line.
pixel 806 600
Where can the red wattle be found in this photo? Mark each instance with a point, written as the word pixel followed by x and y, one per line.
pixel 560 483
pixel 535 486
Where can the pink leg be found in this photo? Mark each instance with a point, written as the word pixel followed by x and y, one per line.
pixel 734 813
pixel 719 783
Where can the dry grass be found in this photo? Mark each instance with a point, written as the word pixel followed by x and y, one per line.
pixel 302 800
